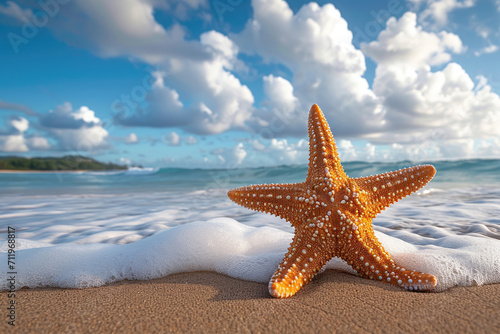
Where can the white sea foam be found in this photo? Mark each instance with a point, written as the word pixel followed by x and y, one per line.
pixel 228 247
pixel 141 171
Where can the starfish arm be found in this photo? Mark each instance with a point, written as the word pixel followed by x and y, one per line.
pixel 281 200
pixel 367 256
pixel 298 267
pixel 324 159
pixel 385 189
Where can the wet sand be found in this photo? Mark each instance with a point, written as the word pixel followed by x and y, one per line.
pixel 206 302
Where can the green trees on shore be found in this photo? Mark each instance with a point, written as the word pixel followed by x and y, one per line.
pixel 69 162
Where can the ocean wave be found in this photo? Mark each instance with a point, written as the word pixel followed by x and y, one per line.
pixel 141 171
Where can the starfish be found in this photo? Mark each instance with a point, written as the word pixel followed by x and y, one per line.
pixel 332 216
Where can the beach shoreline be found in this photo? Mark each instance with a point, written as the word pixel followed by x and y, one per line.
pixel 209 302
pixel 6 171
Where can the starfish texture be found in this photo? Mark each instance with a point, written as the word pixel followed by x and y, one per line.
pixel 332 215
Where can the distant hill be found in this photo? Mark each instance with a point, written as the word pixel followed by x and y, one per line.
pixel 69 162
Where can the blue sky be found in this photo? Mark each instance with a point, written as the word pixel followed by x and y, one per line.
pixel 229 83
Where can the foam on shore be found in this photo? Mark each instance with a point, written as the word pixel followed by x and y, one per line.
pixel 228 247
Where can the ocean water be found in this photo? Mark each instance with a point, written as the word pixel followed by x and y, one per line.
pixel 93 228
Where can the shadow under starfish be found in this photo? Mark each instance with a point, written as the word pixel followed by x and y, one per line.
pixel 332 216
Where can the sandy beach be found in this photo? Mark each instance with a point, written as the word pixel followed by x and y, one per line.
pixel 206 302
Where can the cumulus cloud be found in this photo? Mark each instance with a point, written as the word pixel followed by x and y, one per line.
pixel 78 129
pixel 412 109
pixel 347 151
pixel 131 138
pixel 13 143
pixel 316 45
pixel 64 117
pixel 191 140
pixel 403 42
pixel 278 151
pixel 492 48
pixel 421 104
pixel 230 157
pixel 218 100
pixel 19 124
pixel 119 28
pixel 15 139
pixel 437 11
pixel 125 161
pixel 238 154
pixel 279 92
pixel 173 139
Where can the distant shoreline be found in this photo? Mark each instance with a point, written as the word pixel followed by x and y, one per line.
pixel 68 163
pixel 17 171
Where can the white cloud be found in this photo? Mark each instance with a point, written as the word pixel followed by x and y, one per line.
pixel 83 139
pixel 320 36
pixel 492 48
pixel 420 151
pixel 279 93
pixel 316 45
pixel 403 42
pixel 128 139
pixel 13 143
pixel 239 154
pixel 173 139
pixel 444 107
pixel 125 161
pixel 120 28
pixel 21 124
pixel 218 100
pixel 191 140
pixel 347 151
pixel 278 151
pixel 64 117
pixel 483 31
pixel 230 157
pixel 438 10
pixel 413 110
pixel 78 129
pixel 131 138
pixel 15 139
pixel 36 143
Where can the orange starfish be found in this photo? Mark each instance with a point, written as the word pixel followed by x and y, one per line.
pixel 332 215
